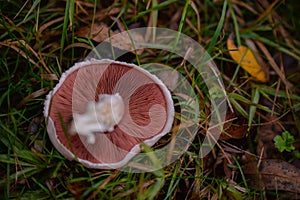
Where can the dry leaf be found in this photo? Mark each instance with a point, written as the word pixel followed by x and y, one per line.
pixel 33 130
pixel 273 174
pixel 245 57
pixel 101 32
pixel 34 125
pixel 234 127
pixel 265 144
pixel 98 32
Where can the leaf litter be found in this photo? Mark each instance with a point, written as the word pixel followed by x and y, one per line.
pixel 266 169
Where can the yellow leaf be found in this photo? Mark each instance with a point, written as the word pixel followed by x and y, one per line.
pixel 245 57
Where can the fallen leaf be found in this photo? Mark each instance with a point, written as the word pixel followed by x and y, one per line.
pixel 273 174
pixel 33 129
pixel 247 60
pixel 234 127
pixel 100 32
pixel 77 187
pixel 34 125
pixel 265 144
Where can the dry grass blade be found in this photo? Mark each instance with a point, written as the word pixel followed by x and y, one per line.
pixel 80 6
pixel 82 45
pixel 106 181
pixel 274 65
pixel 17 49
pixel 45 26
pixel 16 45
pixel 33 95
pixel 266 12
pixel 193 5
pixel 131 191
pixel 286 36
pixel 49 77
pixel 275 18
pixel 21 9
pixel 245 5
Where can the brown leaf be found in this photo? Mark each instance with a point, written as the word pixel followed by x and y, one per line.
pixel 234 127
pixel 77 187
pixel 265 144
pixel 98 32
pixel 33 129
pixel 34 125
pixel 101 32
pixel 273 174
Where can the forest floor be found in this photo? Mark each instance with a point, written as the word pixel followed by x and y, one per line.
pixel 255 45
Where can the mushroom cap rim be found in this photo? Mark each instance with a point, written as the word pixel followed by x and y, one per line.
pixel 135 149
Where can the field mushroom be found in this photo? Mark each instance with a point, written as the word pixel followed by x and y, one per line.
pixel 102 110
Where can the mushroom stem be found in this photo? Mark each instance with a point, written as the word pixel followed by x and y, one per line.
pixel 101 116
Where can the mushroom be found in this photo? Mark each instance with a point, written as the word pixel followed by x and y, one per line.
pixel 102 110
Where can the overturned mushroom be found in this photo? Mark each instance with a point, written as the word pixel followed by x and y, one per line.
pixel 100 116
pixel 102 110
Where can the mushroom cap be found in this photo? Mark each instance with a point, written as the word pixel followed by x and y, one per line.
pixel 148 114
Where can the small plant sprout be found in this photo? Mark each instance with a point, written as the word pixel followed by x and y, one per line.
pixel 284 142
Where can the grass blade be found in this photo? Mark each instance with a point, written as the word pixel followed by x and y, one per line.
pixel 252 110
pixel 218 30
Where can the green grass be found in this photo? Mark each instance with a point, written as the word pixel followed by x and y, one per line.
pixel 32 47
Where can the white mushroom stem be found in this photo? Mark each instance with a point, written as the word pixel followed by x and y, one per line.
pixel 101 116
